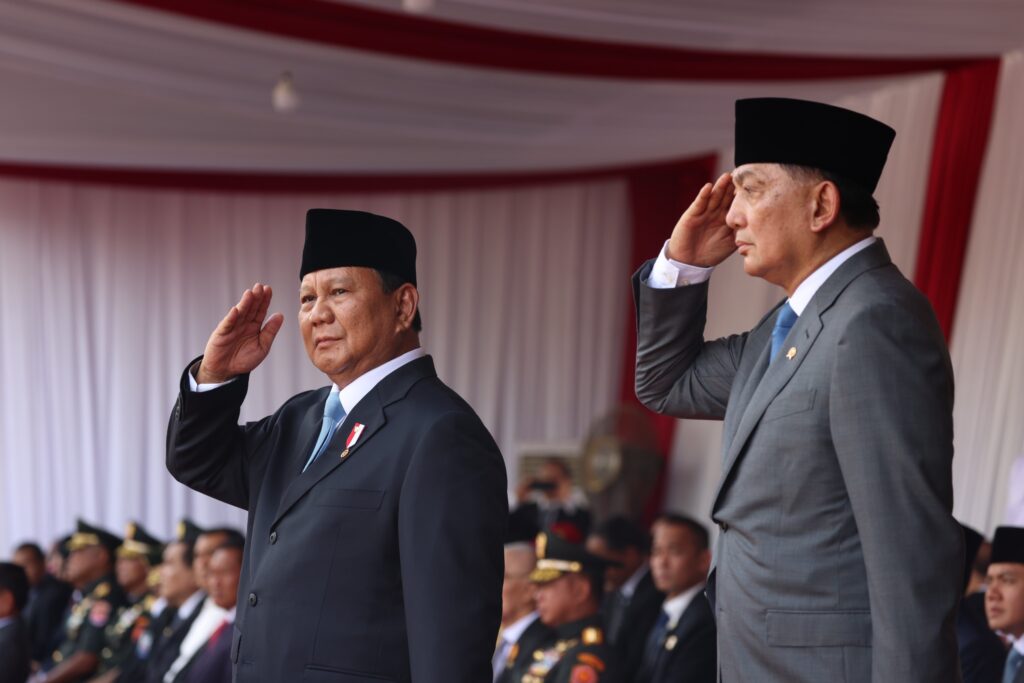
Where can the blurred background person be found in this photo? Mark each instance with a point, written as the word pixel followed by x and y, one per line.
pixel 48 598
pixel 982 654
pixel 15 664
pixel 522 632
pixel 681 647
pixel 551 498
pixel 1004 598
pixel 212 663
pixel 632 601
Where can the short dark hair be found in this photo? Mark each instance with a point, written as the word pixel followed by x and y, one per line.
pixel 621 533
pixel 856 204
pixel 596 581
pixel 390 282
pixel 14 579
pixel 233 541
pixel 698 530
pixel 32 549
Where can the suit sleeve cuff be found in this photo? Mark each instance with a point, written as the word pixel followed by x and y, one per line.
pixel 207 386
pixel 668 274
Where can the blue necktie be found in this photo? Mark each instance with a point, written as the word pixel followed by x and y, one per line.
pixel 333 416
pixel 783 323
pixel 1012 665
pixel 655 642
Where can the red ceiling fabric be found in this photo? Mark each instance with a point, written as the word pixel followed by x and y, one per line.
pixel 404 35
pixel 961 138
pixel 657 198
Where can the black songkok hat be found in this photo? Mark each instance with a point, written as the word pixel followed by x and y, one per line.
pixel 557 557
pixel 87 535
pixel 777 130
pixel 336 238
pixel 188 531
pixel 139 543
pixel 522 526
pixel 1008 545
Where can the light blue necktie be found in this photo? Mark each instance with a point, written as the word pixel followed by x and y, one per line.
pixel 333 416
pixel 783 324
pixel 1012 665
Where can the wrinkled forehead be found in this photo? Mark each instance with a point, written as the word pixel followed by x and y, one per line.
pixel 763 172
pixel 343 274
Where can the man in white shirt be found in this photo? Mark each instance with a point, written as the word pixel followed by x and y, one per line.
pixel 1004 599
pixel 681 646
pixel 377 505
pixel 838 557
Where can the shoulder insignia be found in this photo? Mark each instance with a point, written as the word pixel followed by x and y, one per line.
pixel 147 602
pixel 102 590
pixel 513 652
pixel 590 660
pixel 593 636
pixel 99 614
pixel 583 673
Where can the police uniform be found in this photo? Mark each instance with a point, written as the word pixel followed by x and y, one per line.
pixel 132 620
pixel 579 653
pixel 88 617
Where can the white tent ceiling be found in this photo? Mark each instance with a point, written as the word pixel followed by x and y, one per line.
pixel 106 83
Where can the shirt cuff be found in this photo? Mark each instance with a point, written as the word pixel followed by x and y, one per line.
pixel 667 274
pixel 206 386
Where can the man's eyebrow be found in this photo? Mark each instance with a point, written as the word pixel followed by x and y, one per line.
pixel 744 176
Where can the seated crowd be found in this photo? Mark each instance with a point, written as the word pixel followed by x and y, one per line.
pixel 104 609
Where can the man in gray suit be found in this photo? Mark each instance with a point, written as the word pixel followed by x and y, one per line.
pixel 838 557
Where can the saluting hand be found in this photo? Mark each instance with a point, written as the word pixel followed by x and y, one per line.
pixel 701 237
pixel 242 340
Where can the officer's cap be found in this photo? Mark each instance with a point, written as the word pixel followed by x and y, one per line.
pixel 87 536
pixel 140 544
pixel 556 557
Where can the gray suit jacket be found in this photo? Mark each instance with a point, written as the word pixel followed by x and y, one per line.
pixel 839 559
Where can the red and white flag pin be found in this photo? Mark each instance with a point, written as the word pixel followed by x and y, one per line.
pixel 353 436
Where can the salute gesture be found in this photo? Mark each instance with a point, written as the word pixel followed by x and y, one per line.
pixel 702 237
pixel 241 340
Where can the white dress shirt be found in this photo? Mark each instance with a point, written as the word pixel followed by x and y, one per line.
pixel 675 607
pixel 509 637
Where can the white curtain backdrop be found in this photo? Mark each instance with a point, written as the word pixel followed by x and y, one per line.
pixel 737 301
pixel 989 324
pixel 106 294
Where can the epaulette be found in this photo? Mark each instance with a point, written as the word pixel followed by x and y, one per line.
pixel 592 636
pixel 591 660
pixel 102 590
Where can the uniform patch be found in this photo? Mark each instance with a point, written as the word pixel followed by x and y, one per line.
pixel 583 673
pixel 99 614
pixel 590 660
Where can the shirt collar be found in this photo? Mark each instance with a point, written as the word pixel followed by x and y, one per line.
pixel 675 607
pixel 629 587
pixel 513 633
pixel 189 606
pixel 362 385
pixel 813 282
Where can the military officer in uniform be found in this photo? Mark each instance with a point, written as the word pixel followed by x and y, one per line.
pixel 98 597
pixel 138 559
pixel 569 588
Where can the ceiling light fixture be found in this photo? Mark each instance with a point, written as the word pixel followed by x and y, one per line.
pixel 284 97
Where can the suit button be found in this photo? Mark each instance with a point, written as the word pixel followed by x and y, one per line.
pixel 252 599
pixel 724 526
pixel 273 537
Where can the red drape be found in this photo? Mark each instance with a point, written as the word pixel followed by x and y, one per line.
pixel 658 196
pixel 961 138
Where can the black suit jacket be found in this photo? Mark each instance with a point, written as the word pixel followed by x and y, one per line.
pixel 689 652
pixel 383 561
pixel 536 636
pixel 211 664
pixel 982 653
pixel 14 652
pixel 636 621
pixel 44 615
pixel 167 632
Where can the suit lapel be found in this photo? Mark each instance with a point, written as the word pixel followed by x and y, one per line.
pixel 369 412
pixel 758 394
pixel 688 621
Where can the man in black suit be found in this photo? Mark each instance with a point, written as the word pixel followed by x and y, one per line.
pixel 522 631
pixel 632 602
pixel 982 654
pixel 212 663
pixel 1004 599
pixel 14 643
pixel 681 646
pixel 48 598
pixel 377 507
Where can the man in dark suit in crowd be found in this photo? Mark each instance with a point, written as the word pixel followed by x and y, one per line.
pixel 90 568
pixel 839 556
pixel 48 598
pixel 680 648
pixel 15 664
pixel 212 663
pixel 982 654
pixel 632 602
pixel 522 631
pixel 377 507
pixel 1004 599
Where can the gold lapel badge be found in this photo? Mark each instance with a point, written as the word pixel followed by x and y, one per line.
pixel 670 642
pixel 791 354
pixel 344 454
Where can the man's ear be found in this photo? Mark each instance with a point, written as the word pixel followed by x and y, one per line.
pixel 407 301
pixel 825 204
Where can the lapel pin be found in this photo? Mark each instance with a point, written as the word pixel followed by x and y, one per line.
pixel 353 436
pixel 791 354
pixel 344 454
pixel 670 642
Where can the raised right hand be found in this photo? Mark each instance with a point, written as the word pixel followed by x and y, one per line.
pixel 242 340
pixel 701 237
